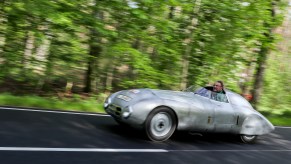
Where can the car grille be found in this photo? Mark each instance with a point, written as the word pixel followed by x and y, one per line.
pixel 115 109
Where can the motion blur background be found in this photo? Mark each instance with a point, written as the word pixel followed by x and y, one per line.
pixel 70 54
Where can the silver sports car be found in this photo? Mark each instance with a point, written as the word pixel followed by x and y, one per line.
pixel 161 112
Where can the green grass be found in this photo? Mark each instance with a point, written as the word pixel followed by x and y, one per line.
pixel 71 104
pixel 278 116
pixel 93 104
pixel 280 120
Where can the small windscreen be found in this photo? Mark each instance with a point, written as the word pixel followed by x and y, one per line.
pixel 209 93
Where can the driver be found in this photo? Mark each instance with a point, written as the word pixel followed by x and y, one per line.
pixel 218 92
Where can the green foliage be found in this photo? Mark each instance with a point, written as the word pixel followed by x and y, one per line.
pixel 121 44
pixel 276 96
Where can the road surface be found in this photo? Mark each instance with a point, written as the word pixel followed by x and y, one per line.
pixel 32 136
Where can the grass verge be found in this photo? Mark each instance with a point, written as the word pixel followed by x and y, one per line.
pixel 280 120
pixel 71 104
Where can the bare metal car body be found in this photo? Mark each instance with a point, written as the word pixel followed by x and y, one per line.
pixel 161 112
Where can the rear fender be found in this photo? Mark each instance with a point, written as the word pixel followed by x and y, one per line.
pixel 256 125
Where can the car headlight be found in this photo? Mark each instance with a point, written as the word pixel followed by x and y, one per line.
pixel 126 112
pixel 107 102
pixel 123 97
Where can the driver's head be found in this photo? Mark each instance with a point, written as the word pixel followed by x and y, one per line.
pixel 218 86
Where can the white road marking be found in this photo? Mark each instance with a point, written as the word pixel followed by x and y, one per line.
pixel 60 112
pixel 283 150
pixel 81 150
pixel 106 150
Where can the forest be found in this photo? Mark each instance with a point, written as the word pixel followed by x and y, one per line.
pixel 91 48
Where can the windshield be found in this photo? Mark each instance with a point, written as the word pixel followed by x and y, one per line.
pixel 189 89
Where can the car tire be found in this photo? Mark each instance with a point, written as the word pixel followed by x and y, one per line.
pixel 160 124
pixel 248 138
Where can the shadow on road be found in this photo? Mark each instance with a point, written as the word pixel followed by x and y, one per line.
pixel 179 136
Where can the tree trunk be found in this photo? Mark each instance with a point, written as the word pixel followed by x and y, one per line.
pixel 109 79
pixel 28 51
pixel 88 77
pixel 188 47
pixel 3 24
pixel 259 76
pixel 41 54
pixel 94 52
pixel 262 59
pixel 185 68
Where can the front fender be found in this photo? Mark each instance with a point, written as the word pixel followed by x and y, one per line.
pixel 140 111
pixel 256 125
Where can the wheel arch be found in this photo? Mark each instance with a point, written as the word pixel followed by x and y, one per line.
pixel 165 106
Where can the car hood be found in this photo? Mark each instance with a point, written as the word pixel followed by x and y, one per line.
pixel 174 95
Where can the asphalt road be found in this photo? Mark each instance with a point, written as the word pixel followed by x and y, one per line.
pixel 29 136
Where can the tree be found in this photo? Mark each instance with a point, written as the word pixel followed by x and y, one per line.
pixel 266 41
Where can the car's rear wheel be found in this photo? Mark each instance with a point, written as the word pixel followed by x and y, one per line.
pixel 160 124
pixel 248 138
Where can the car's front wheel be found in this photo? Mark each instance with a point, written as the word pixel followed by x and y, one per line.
pixel 160 124
pixel 248 138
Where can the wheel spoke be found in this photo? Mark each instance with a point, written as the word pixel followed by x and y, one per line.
pixel 160 124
